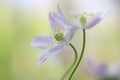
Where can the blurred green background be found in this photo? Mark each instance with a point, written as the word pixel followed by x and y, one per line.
pixel 21 20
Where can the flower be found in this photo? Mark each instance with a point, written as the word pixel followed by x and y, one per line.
pixel 94 68
pixel 86 20
pixel 61 36
pixel 102 70
pixel 83 20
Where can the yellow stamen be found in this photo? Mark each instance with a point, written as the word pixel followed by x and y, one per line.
pixel 91 14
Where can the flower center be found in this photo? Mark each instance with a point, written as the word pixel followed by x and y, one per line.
pixel 58 36
pixel 83 18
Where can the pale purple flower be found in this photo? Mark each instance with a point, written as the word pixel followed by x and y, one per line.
pixel 95 68
pixel 103 71
pixel 61 36
pixel 83 20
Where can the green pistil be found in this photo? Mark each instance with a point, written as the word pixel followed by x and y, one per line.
pixel 58 37
pixel 83 20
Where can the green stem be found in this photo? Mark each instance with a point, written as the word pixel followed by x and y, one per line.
pixel 75 60
pixel 82 52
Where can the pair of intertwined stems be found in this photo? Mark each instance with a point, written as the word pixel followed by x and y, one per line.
pixel 75 63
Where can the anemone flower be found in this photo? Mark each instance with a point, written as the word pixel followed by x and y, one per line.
pixel 61 36
pixel 84 20
pixel 102 70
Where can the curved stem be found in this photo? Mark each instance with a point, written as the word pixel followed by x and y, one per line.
pixel 75 60
pixel 82 52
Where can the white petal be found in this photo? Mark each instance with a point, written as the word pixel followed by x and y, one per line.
pixel 53 22
pixel 42 42
pixel 106 14
pixel 96 19
pixel 62 21
pixel 59 11
pixel 69 35
pixel 50 52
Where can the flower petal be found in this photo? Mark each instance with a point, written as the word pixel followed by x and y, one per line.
pixel 50 52
pixel 94 21
pixel 59 11
pixel 98 69
pixel 42 42
pixel 53 22
pixel 62 18
pixel 62 21
pixel 69 35
pixel 101 69
pixel 106 14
